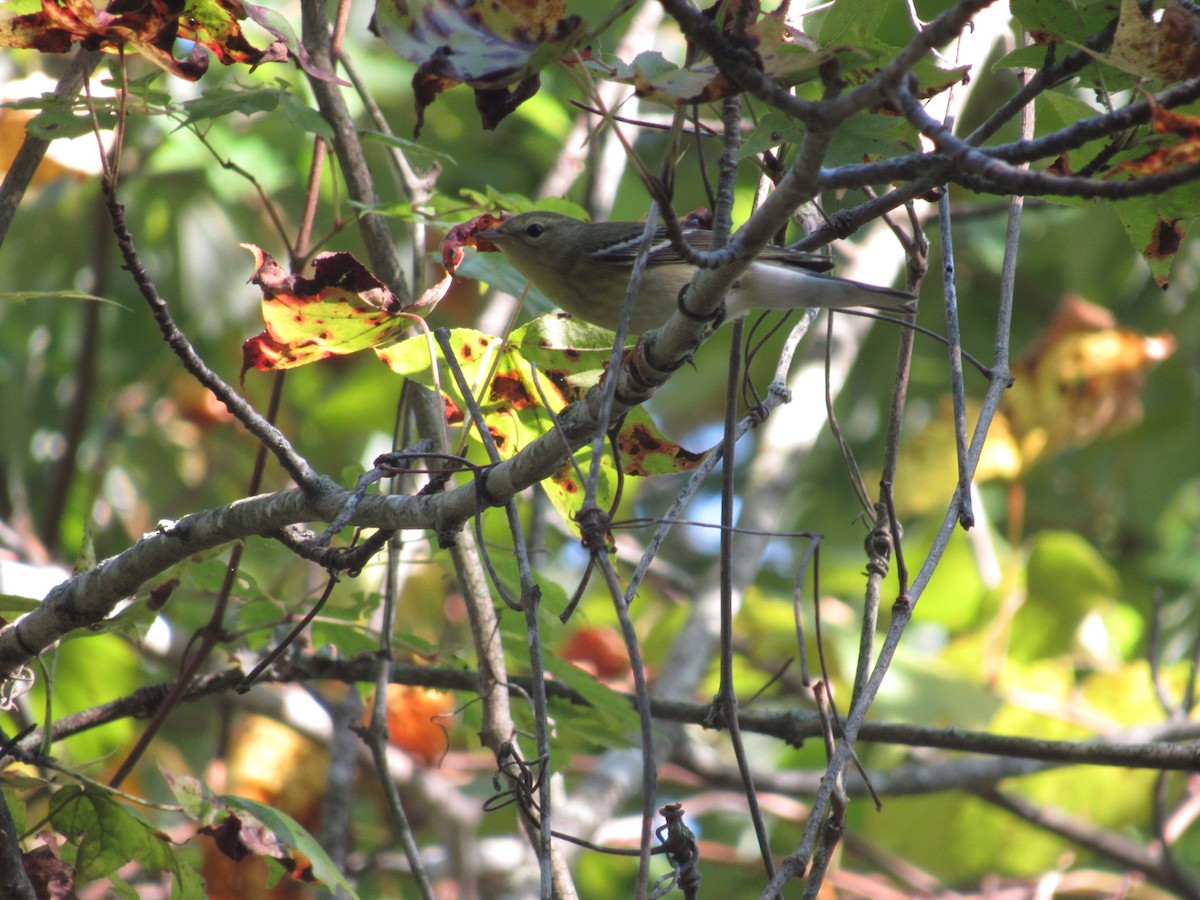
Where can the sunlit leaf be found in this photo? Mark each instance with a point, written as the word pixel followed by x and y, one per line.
pixel 224 101
pixel 1069 21
pixel 545 366
pixel 1067 579
pixel 341 309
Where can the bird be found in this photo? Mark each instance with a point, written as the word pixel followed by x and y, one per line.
pixel 584 267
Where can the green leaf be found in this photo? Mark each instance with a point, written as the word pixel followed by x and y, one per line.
pixel 618 720
pixel 1067 579
pixel 110 835
pixel 12 605
pixel 1158 225
pixel 1069 21
pixel 418 154
pixel 852 22
pixel 494 269
pixel 224 101
pixel 56 122
pixel 23 296
pixel 861 138
pixel 1031 57
pixel 306 118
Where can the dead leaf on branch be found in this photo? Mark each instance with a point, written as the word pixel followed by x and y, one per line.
pixel 1167 50
pixel 1184 152
pixel 46 871
pixel 496 47
pixel 1082 380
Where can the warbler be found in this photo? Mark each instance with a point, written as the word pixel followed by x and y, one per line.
pixel 585 267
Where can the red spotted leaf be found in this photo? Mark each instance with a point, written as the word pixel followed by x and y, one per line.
pixel 545 366
pixel 341 309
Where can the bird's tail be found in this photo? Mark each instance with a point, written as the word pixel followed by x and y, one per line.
pixel 773 286
pixel 842 293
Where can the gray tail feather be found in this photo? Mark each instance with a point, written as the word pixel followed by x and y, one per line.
pixel 869 295
pixel 782 287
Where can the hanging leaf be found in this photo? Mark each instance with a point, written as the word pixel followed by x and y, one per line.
pixel 110 835
pixel 1082 380
pixel 495 46
pixel 245 828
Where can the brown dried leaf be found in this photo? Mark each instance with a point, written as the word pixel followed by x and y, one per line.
pixel 1167 50
pixel 1081 381
pixel 495 46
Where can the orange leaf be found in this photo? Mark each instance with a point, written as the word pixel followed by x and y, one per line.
pixel 1164 159
pixel 414 717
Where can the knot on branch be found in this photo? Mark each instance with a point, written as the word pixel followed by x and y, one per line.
pixel 595 525
pixel 878 545
pixel 516 781
pixel 843 223
pixel 679 844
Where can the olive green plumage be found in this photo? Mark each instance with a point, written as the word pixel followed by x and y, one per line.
pixel 584 268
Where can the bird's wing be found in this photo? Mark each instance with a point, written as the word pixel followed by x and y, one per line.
pixel 662 253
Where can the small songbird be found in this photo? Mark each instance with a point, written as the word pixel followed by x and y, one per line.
pixel 585 267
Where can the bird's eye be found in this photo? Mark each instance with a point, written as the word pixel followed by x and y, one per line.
pixel 536 230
